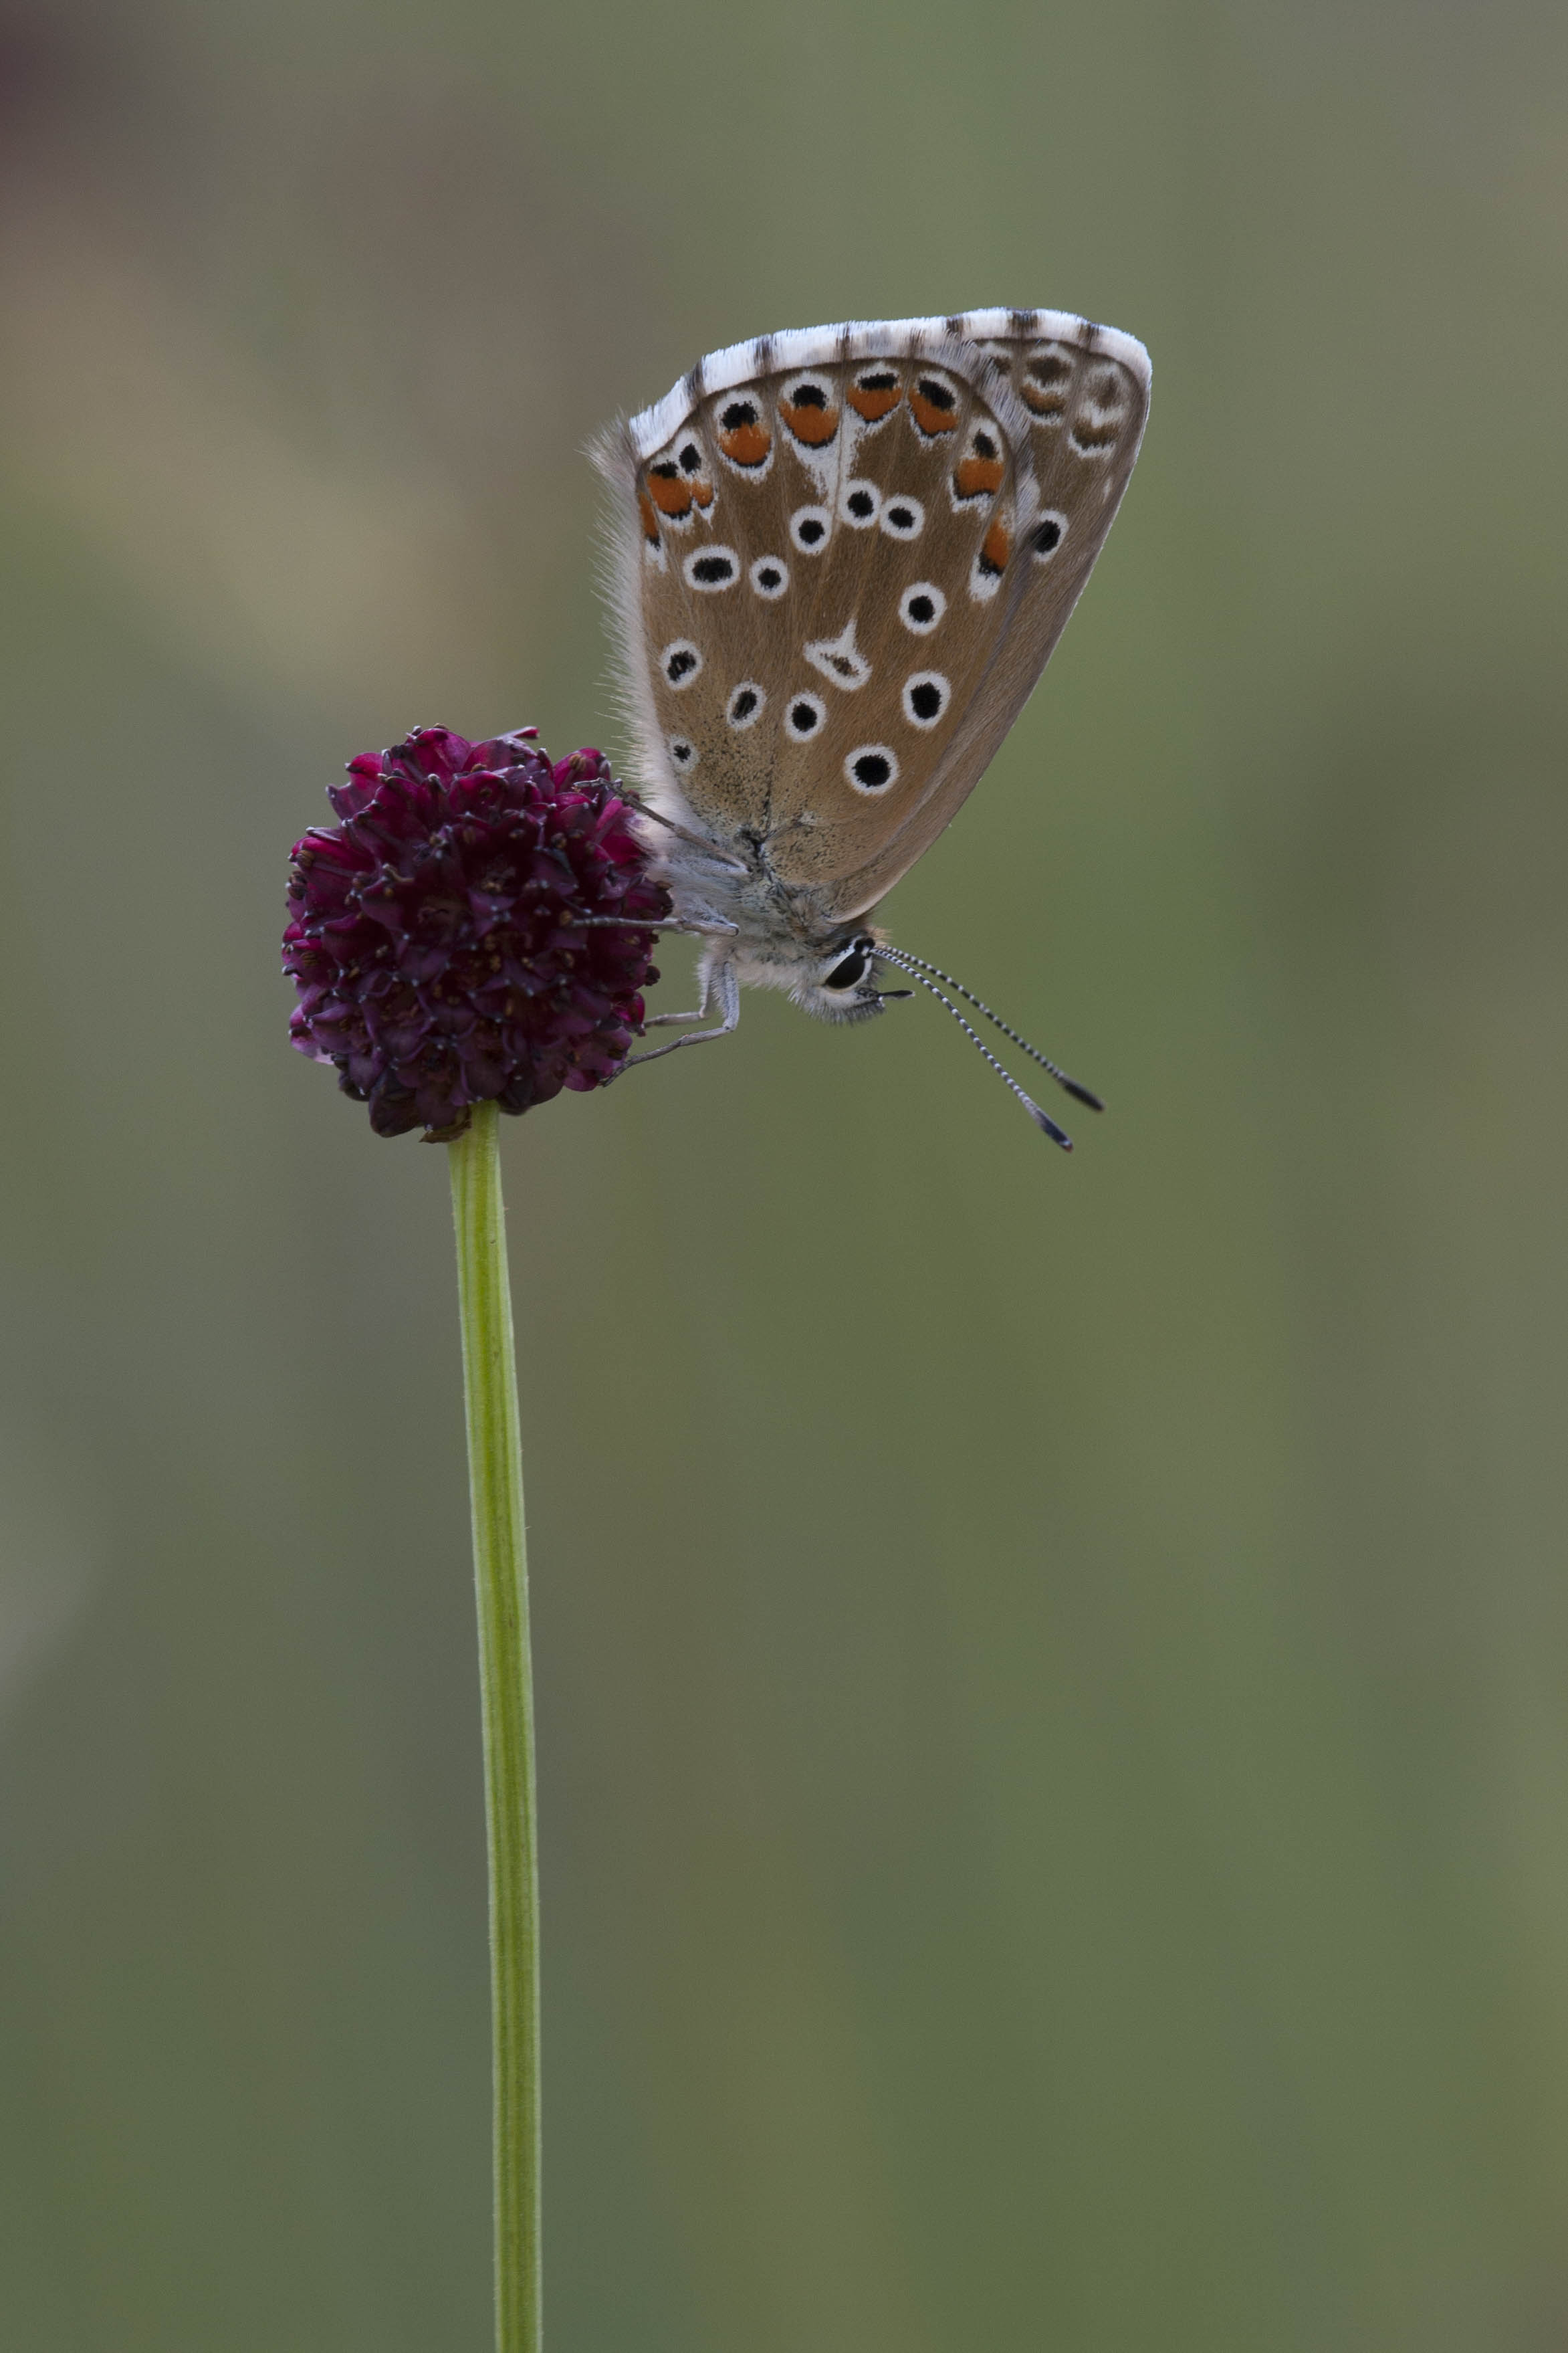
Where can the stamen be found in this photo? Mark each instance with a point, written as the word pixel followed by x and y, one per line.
pixel 918 964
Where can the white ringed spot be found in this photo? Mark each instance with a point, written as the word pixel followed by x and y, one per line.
pixel 711 569
pixel 770 577
pixel 809 528
pixel 681 663
pixel 744 707
pixel 902 517
pixel 859 505
pixel 921 607
pixel 872 768
pixel 684 753
pixel 927 694
pixel 1047 533
pixel 806 714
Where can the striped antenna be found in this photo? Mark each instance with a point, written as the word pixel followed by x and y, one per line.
pixel 1042 1119
pixel 918 967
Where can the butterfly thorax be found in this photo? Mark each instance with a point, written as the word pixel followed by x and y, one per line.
pixel 784 936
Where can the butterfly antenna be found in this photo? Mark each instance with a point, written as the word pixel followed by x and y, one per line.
pixel 918 966
pixel 1042 1119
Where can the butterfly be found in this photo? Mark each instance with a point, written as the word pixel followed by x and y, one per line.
pixel 840 559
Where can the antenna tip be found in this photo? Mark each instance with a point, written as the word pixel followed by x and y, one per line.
pixel 1083 1094
pixel 1045 1122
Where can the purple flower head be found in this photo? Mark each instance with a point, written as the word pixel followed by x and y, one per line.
pixel 437 934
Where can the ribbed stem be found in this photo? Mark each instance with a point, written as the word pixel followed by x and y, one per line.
pixel 506 1685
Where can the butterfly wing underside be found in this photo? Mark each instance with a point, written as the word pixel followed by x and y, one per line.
pixel 843 560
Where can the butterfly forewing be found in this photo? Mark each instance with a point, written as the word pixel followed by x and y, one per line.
pixel 849 571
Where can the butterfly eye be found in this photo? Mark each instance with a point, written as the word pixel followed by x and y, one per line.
pixel 847 973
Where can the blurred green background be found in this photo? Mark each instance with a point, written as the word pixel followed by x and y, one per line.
pixel 1054 1676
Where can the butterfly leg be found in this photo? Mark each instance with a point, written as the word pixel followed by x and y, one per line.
pixel 721 984
pixel 662 1020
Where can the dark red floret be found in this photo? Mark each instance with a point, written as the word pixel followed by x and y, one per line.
pixel 439 934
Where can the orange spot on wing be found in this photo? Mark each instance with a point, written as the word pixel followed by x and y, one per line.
pixel 649 519
pixel 996 547
pixel 669 494
pixel 746 445
pixel 1044 382
pixel 972 477
pixel 703 494
pixel 815 426
pixel 929 416
pixel 874 404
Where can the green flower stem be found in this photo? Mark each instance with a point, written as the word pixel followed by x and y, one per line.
pixel 506 1683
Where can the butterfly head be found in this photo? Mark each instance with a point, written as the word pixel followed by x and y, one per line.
pixel 835 980
pixel 842 984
